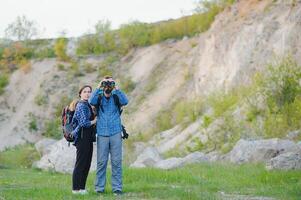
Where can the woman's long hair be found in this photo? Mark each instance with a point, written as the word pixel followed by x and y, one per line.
pixel 72 105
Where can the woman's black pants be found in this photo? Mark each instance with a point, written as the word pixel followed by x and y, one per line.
pixel 84 151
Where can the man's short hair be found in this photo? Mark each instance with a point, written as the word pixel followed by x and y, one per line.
pixel 108 77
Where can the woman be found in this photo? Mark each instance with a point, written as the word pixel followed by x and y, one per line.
pixel 84 120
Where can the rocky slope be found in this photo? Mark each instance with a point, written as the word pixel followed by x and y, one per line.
pixel 242 40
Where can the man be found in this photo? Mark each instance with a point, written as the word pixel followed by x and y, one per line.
pixel 109 130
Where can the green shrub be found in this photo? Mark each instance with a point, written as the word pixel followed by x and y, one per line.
pixel 47 52
pixel 187 111
pixel 20 156
pixel 163 121
pixel 132 35
pixel 222 102
pixel 197 145
pixel 40 99
pixel 137 34
pixel 183 112
pixel 60 47
pixel 281 88
pixel 53 129
pixel 86 45
pixel 94 44
pixel 227 134
pixel 75 70
pixel 60 66
pixel 3 82
pixel 207 120
pixel 15 56
pixel 32 126
pixel 88 67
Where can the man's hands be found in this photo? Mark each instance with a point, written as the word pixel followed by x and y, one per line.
pixel 99 86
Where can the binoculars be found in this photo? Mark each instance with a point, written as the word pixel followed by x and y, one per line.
pixel 108 83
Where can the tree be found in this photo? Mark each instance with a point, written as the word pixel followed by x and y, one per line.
pixel 102 27
pixel 60 47
pixel 21 29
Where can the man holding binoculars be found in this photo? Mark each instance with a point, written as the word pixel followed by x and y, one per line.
pixel 109 133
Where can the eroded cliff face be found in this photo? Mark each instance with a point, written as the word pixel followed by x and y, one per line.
pixel 242 40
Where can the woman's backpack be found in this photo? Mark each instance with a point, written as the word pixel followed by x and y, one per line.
pixel 67 126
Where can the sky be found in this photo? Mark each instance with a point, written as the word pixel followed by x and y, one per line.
pixel 77 17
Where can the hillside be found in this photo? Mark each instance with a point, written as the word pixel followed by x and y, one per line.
pixel 172 86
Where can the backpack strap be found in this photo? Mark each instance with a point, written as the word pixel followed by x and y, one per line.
pixel 98 104
pixel 117 103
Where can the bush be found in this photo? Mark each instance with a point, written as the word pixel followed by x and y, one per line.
pixel 187 111
pixel 60 66
pixel 45 53
pixel 183 112
pixel 32 123
pixel 87 45
pixel 88 67
pixel 20 156
pixel 227 134
pixel 40 99
pixel 282 91
pixel 163 121
pixel 95 44
pixel 3 82
pixel 207 120
pixel 222 102
pixel 74 69
pixel 15 56
pixel 133 35
pixel 60 47
pixel 137 34
pixel 53 129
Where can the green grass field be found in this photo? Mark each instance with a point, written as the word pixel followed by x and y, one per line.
pixel 198 181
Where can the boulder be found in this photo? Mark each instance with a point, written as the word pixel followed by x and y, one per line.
pixel 148 158
pixel 259 150
pixel 195 157
pixel 43 145
pixel 61 158
pixel 171 163
pixel 286 161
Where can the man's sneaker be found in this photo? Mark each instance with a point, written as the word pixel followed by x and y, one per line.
pixel 99 192
pixel 83 192
pixel 75 191
pixel 117 192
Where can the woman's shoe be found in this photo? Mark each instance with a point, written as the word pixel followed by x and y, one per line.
pixel 75 191
pixel 83 192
